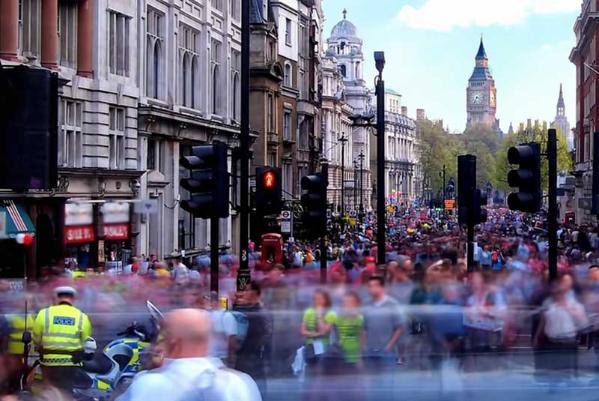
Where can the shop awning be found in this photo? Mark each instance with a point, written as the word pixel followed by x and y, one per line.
pixel 14 220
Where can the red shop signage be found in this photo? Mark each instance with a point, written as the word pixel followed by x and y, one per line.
pixel 78 234
pixel 116 231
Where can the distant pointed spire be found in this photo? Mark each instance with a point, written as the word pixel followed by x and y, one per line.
pixel 482 54
pixel 560 100
pixel 511 129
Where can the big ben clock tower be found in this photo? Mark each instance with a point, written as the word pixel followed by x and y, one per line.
pixel 481 93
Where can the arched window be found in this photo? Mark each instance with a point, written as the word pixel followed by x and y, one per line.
pixel 184 80
pixel 154 53
pixel 357 72
pixel 149 67
pixel 343 70
pixel 156 76
pixel 215 105
pixel 235 97
pixel 287 78
pixel 193 71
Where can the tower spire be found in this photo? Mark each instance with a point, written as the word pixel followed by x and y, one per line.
pixel 560 100
pixel 344 13
pixel 482 54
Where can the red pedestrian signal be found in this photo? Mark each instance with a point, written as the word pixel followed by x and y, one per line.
pixel 269 193
pixel 270 180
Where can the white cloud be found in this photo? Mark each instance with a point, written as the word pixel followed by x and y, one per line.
pixel 445 15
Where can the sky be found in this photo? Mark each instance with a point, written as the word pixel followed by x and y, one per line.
pixel 430 47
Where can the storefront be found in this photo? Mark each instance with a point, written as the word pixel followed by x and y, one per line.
pixel 115 245
pixel 79 235
pixel 17 234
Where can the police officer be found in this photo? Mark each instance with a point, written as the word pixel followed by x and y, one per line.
pixel 60 332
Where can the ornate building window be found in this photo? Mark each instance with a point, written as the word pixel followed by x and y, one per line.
pixel 67 33
pixel 235 84
pixel 70 134
pixel 154 53
pixel 116 129
pixel 288 26
pixel 189 53
pixel 118 43
pixel 29 28
pixel 215 54
pixel 288 75
pixel 287 125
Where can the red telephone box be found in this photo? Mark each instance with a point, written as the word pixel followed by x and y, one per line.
pixel 272 248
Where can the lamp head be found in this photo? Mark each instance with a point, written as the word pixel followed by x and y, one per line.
pixel 379 59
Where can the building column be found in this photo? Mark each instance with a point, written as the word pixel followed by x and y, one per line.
pixel 9 15
pixel 85 39
pixel 49 57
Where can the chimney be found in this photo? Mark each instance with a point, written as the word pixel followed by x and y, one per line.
pixel 404 111
pixel 420 114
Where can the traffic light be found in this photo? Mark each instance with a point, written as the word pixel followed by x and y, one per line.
pixel 466 187
pixel 268 190
pixel 314 202
pixel 208 182
pixel 527 178
pixel 479 211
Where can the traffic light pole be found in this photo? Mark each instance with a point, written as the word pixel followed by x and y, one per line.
pixel 470 247
pixel 323 237
pixel 243 275
pixel 380 164
pixel 552 210
pixel 214 239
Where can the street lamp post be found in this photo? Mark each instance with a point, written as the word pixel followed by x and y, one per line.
pixel 355 206
pixel 379 59
pixel 343 140
pixel 361 157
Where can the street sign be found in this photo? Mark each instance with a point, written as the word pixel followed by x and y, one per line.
pixel 3 225
pixel 146 206
pixel 286 222
pixel 449 204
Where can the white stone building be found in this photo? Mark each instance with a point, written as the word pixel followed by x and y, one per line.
pixel 402 166
pixel 345 47
pixel 189 60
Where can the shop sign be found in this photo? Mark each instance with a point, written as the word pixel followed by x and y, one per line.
pixel 115 212
pixel 78 214
pixel 116 232
pixel 79 235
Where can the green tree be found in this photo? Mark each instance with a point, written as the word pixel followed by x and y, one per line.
pixel 484 143
pixel 438 148
pixel 531 133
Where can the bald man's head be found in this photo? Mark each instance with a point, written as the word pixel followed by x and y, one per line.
pixel 186 332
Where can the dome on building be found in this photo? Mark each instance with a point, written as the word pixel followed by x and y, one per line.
pixel 344 29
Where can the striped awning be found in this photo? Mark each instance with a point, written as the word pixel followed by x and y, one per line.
pixel 16 220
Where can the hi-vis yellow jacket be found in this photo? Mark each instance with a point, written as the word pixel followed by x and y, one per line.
pixel 59 332
pixel 17 327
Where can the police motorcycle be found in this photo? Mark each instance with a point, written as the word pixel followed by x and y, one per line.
pixel 107 374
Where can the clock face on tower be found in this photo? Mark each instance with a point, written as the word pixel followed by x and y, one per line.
pixel 477 97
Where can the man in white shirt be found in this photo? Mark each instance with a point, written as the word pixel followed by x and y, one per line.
pixel 188 374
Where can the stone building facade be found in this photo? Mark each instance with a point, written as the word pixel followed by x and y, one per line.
pixel 91 45
pixel 190 79
pixel 345 47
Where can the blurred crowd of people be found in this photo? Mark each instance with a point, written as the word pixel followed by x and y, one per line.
pixel 417 311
